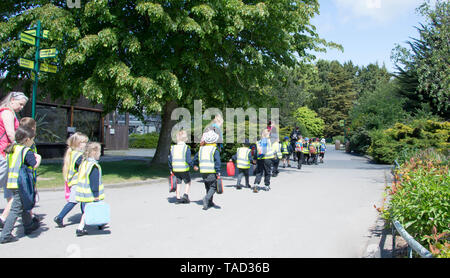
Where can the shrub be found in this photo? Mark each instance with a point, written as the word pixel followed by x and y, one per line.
pixel 387 145
pixel 420 199
pixel 144 141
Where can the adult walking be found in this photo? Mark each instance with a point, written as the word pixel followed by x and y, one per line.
pixel 13 103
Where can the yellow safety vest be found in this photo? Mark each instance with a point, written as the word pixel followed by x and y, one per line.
pixel 206 158
pixel 242 158
pixel 72 176
pixel 276 147
pixel 84 193
pixel 284 149
pixel 305 147
pixel 14 164
pixel 179 163
pixel 269 154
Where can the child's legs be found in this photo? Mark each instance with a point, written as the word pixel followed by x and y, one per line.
pixel 247 176
pixel 267 171
pixel 66 209
pixel 81 224
pixel 240 175
pixel 16 210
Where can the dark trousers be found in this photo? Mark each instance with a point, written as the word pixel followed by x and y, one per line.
pixel 305 158
pixel 299 159
pixel 243 173
pixel 275 163
pixel 210 181
pixel 263 167
pixel 16 211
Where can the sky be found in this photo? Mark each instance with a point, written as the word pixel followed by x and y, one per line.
pixel 367 29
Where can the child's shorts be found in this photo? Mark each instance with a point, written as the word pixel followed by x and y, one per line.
pixel 183 176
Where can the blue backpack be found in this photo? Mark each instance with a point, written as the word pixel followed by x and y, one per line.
pixel 27 186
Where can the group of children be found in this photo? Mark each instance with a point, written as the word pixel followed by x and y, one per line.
pixel 81 172
pixel 305 151
pixel 266 155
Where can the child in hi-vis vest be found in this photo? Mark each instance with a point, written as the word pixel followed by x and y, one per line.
pixel 17 153
pixel 208 159
pixel 179 164
pixel 89 186
pixel 243 158
pixel 76 145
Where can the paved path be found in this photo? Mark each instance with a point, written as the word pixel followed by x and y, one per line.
pixel 323 210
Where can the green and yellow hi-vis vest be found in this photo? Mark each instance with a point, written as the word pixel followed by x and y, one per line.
pixel 84 193
pixel 269 153
pixel 14 164
pixel 179 163
pixel 72 176
pixel 206 158
pixel 242 158
pixel 276 147
pixel 284 148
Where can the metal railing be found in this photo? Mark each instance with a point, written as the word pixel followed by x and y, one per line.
pixel 412 243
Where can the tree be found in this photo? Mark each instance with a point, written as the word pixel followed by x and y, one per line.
pixel 309 121
pixel 424 71
pixel 157 55
pixel 335 98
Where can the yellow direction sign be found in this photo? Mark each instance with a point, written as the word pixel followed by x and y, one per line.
pixel 33 33
pixel 48 53
pixel 48 68
pixel 26 63
pixel 27 38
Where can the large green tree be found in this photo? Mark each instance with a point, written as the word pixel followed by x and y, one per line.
pixel 424 70
pixel 158 55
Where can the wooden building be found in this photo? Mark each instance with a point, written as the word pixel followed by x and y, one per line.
pixel 57 120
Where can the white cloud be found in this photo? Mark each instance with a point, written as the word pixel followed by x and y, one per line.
pixel 381 11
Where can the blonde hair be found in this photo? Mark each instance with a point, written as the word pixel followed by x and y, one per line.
pixel 73 142
pixel 265 133
pixel 182 136
pixel 92 148
pixel 6 101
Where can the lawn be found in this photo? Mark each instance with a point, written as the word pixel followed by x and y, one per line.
pixel 50 176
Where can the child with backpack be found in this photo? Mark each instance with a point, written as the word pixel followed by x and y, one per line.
pixel 299 151
pixel 76 145
pixel 263 159
pixel 30 123
pixel 19 153
pixel 305 151
pixel 208 159
pixel 179 163
pixel 89 186
pixel 243 158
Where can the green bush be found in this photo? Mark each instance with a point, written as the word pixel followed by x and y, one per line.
pixel 387 145
pixel 420 200
pixel 144 141
pixel 340 138
pixel 360 140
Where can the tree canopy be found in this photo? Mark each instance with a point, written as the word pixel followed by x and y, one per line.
pixel 155 55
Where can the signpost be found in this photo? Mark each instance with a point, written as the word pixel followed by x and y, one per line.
pixel 34 37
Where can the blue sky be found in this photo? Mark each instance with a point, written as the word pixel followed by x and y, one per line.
pixel 367 29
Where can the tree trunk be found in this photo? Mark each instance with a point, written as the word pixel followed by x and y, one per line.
pixel 164 142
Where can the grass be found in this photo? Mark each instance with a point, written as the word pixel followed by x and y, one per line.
pixel 50 176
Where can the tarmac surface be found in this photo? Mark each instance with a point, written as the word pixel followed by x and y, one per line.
pixel 320 211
